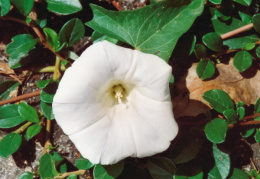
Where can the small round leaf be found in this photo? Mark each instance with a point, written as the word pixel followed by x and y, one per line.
pixel 108 171
pixel 26 175
pixel 200 51
pixel 83 164
pixel 242 60
pixel 213 41
pixel 205 69
pixel 5 6
pixel 256 22
pixel 216 130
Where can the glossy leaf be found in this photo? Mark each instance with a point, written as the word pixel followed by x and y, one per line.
pixel 46 109
pixel 190 170
pixel 256 22
pixel 47 167
pixel 161 168
pixel 257 135
pixel 250 46
pixel 108 171
pixel 43 83
pixel 200 51
pixel 244 2
pixel 73 176
pixel 245 16
pixel 83 164
pixel 248 133
pixel 26 175
pixel 221 16
pixel 48 92
pixel 231 116
pixel 52 38
pixel 28 112
pixel 205 69
pixel 219 100
pixel 5 6
pixel 10 144
pixel 63 168
pixel 213 41
pixel 9 116
pixel 56 157
pixel 238 174
pixel 242 61
pixel 240 42
pixel 19 48
pixel 71 32
pixel 216 130
pixel 32 131
pixel 214 173
pixel 222 161
pixel 241 112
pixel 187 147
pixel 147 29
pixel 216 1
pixel 257 106
pixel 240 104
pixel 6 87
pixel 64 7
pixel 23 6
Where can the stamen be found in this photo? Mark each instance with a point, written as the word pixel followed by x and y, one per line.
pixel 118 90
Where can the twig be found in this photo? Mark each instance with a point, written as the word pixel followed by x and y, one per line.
pixel 46 69
pixel 23 128
pixel 237 31
pixel 21 97
pixel 78 172
pixel 47 137
pixel 253 163
pixel 250 117
pixel 117 5
pixel 243 123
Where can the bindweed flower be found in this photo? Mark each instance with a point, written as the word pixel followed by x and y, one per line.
pixel 114 103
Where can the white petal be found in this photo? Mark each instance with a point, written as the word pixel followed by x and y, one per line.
pixel 90 70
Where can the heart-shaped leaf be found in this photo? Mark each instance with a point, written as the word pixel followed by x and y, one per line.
pixel 153 29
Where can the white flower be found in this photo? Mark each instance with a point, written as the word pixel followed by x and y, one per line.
pixel 114 102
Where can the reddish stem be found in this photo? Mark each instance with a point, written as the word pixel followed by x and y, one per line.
pixel 237 31
pixel 117 5
pixel 21 97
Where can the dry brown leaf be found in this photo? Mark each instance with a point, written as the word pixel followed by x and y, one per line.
pixel 190 88
pixel 4 69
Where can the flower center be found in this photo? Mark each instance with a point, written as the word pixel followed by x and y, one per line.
pixel 118 90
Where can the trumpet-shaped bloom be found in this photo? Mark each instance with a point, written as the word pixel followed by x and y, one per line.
pixel 114 103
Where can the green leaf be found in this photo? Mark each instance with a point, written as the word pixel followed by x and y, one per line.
pixel 52 38
pixel 161 168
pixel 257 51
pixel 239 174
pixel 190 170
pixel 248 133
pixel 28 112
pixel 5 6
pixel 23 6
pixel 72 177
pixel 97 37
pixel 47 167
pixel 205 69
pixel 153 29
pixel 63 168
pixel 257 135
pixel 10 144
pixel 185 46
pixel 216 130
pixel 240 42
pixel 6 87
pixel 83 164
pixel 9 116
pixel 256 22
pixel 244 2
pixel 187 147
pixel 200 51
pixel 240 104
pixel 32 131
pixel 48 92
pixel 250 46
pixel 221 16
pixel 26 175
pixel 216 1
pixel 46 109
pixel 43 83
pixel 241 112
pixel 64 7
pixel 214 173
pixel 19 48
pixel 56 157
pixel 242 61
pixel 213 41
pixel 108 171
pixel 71 32
pixel 222 161
pixel 231 116
pixel 219 100
pixel 257 106
pixel 245 16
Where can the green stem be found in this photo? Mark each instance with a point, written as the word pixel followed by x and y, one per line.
pixel 22 128
pixel 47 138
pixel 46 69
pixel 78 172
pixel 56 74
